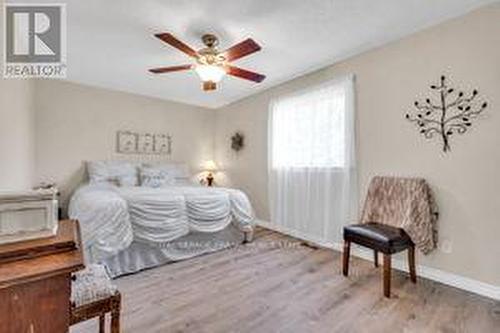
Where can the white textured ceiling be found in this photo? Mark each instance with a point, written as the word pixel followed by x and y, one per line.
pixel 111 43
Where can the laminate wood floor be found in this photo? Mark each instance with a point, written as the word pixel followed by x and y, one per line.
pixel 279 284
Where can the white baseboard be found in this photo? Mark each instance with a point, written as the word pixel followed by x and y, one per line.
pixel 450 279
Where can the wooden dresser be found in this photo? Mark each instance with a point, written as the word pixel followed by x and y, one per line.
pixel 35 281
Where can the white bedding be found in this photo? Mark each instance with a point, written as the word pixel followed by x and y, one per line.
pixel 112 217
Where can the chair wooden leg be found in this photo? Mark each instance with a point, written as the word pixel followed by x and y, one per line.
pixel 115 322
pixel 345 258
pixel 411 263
pixel 102 323
pixel 387 275
pixel 115 314
pixel 375 258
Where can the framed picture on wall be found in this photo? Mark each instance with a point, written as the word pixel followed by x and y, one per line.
pixel 129 142
pixel 163 144
pixel 126 142
pixel 146 144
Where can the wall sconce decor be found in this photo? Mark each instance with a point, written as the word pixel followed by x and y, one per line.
pixel 237 141
pixel 452 114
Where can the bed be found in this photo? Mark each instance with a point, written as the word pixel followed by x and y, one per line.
pixel 130 223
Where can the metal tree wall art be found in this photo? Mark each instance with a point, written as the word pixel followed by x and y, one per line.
pixel 451 114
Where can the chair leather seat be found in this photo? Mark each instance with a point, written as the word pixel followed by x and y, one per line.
pixel 377 236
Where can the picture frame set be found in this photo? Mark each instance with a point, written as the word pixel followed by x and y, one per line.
pixel 129 142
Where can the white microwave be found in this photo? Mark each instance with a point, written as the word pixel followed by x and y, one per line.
pixel 28 215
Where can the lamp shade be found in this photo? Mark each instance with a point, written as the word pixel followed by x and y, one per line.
pixel 212 73
pixel 210 165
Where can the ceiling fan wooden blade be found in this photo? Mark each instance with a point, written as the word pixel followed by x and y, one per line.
pixel 170 69
pixel 240 50
pixel 172 41
pixel 244 74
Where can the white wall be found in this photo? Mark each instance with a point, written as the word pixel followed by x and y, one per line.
pixel 77 123
pixel 389 80
pixel 16 134
pixel 16 130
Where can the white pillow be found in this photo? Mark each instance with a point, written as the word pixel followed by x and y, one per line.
pixel 178 171
pixel 185 182
pixel 155 176
pixel 120 173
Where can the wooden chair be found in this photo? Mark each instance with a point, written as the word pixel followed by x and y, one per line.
pixel 380 238
pixel 93 295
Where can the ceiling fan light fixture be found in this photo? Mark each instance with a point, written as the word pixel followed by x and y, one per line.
pixel 212 73
pixel 210 64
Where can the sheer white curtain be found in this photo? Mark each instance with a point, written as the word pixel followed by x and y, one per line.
pixel 312 169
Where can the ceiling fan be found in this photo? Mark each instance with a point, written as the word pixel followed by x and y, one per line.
pixel 209 63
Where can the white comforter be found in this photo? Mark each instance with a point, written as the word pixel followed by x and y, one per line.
pixel 112 217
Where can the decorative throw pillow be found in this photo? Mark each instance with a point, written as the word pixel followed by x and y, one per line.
pixel 155 177
pixel 179 172
pixel 120 173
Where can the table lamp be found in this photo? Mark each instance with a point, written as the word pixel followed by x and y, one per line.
pixel 210 167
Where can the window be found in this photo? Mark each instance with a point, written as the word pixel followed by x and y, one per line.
pixel 312 167
pixel 307 129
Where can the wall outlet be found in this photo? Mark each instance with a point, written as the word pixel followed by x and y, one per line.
pixel 446 246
